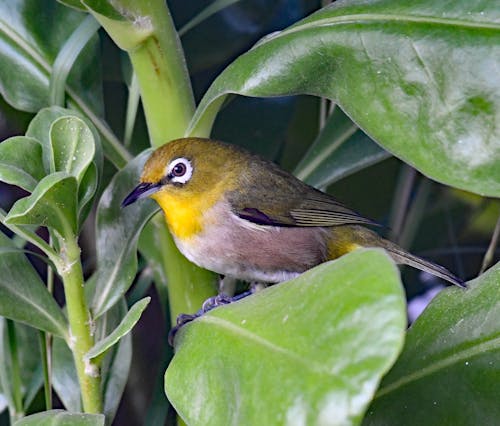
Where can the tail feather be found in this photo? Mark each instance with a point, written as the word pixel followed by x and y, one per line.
pixel 401 256
pixel 346 238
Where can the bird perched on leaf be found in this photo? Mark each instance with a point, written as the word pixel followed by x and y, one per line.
pixel 239 215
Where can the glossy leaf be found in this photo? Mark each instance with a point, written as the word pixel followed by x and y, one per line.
pixel 23 296
pixel 125 326
pixel 340 149
pixel 415 76
pixel 447 372
pixel 72 146
pixel 61 418
pixel 21 162
pixel 308 351
pixel 117 233
pixel 52 204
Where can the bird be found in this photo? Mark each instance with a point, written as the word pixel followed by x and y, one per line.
pixel 235 213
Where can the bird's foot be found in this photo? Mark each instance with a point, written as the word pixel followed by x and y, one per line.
pixel 208 305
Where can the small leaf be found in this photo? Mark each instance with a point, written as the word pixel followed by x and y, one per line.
pixel 23 296
pixel 125 326
pixel 52 204
pixel 39 129
pixel 61 418
pixel 308 351
pixel 72 146
pixel 118 230
pixel 340 149
pixel 21 162
pixel 448 370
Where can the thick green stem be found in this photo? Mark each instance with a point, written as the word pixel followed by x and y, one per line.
pixel 148 35
pixel 81 339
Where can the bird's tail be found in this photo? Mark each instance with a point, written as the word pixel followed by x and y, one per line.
pixel 362 237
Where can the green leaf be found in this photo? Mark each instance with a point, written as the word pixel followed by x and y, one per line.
pixel 21 162
pixel 23 296
pixel 52 204
pixel 117 233
pixel 28 352
pixel 340 149
pixel 115 367
pixel 125 326
pixel 415 76
pixel 447 371
pixel 31 35
pixel 76 4
pixel 72 146
pixel 61 418
pixel 86 192
pixel 64 376
pixel 308 351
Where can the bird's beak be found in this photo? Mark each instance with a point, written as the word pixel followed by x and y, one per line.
pixel 142 190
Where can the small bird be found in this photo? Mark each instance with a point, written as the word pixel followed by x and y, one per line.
pixel 237 214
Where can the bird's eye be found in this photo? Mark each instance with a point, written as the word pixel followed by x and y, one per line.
pixel 180 170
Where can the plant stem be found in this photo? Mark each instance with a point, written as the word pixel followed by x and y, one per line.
pixel 148 35
pixel 81 338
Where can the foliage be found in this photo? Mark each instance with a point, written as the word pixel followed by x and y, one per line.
pixel 396 84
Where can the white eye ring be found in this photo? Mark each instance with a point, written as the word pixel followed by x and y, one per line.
pixel 180 170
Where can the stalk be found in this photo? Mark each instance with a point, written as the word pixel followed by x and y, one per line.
pixel 148 35
pixel 81 336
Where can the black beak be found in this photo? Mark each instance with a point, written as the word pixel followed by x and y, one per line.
pixel 141 191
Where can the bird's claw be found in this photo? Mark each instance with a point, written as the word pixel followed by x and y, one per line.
pixel 209 304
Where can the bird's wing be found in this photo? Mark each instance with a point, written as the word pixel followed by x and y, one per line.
pixel 277 198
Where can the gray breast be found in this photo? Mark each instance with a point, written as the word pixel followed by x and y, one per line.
pixel 241 249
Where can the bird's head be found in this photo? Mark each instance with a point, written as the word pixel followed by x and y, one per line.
pixel 187 176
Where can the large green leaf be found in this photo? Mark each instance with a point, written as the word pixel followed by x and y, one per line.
pixel 415 76
pixel 448 372
pixel 23 296
pixel 340 149
pixel 52 204
pixel 117 233
pixel 31 35
pixel 21 162
pixel 308 351
pixel 61 418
